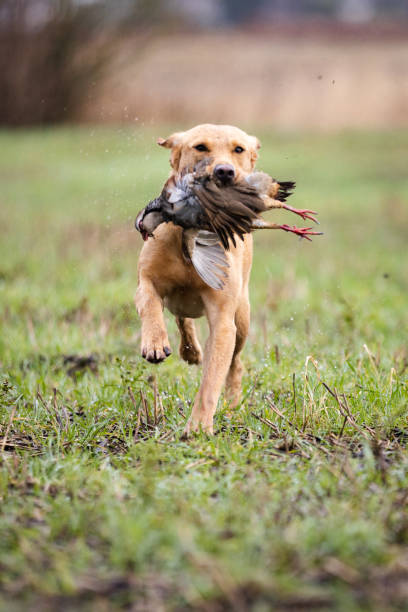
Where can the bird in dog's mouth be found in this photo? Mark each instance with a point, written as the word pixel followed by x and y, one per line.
pixel 213 215
pixel 147 220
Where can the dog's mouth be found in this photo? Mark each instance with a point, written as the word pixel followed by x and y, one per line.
pixel 222 184
pixel 226 181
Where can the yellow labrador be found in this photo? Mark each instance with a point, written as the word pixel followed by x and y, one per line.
pixel 166 278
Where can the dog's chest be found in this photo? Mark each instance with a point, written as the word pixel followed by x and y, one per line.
pixel 184 302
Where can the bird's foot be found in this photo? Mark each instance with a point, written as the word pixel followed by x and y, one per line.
pixel 303 232
pixel 305 213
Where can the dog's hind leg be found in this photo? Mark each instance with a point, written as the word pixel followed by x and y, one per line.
pixel 190 349
pixel 233 382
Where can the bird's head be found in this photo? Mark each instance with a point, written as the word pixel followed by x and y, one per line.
pixel 148 219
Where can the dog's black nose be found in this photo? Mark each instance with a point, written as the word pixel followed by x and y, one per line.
pixel 225 173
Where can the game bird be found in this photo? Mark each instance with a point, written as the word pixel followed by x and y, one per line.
pixel 213 214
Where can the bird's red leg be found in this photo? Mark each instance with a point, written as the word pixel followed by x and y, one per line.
pixel 303 232
pixel 302 212
pixel 305 213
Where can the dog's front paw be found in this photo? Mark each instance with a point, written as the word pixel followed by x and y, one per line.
pixel 156 350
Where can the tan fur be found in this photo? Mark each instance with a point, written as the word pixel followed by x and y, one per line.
pixel 167 279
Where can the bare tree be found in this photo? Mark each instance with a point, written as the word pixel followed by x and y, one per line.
pixel 53 51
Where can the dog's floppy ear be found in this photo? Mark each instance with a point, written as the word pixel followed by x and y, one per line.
pixel 173 142
pixel 255 146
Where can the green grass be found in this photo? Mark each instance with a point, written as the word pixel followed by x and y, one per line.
pixel 291 504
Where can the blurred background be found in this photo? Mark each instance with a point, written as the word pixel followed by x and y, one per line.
pixel 318 64
pixel 86 88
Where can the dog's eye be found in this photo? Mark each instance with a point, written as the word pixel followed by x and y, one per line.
pixel 201 147
pixel 239 150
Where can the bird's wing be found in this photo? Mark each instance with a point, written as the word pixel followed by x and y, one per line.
pixel 248 195
pixel 226 214
pixel 207 256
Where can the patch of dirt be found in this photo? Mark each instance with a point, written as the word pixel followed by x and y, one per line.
pixel 77 364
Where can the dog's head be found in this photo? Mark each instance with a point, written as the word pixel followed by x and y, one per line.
pixel 232 152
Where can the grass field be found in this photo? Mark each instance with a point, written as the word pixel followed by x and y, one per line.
pixel 300 499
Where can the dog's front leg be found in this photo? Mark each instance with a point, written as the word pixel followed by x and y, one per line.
pixel 217 359
pixel 155 344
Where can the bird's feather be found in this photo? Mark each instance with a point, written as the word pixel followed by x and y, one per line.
pixel 227 215
pixel 285 190
pixel 207 257
pixel 266 185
